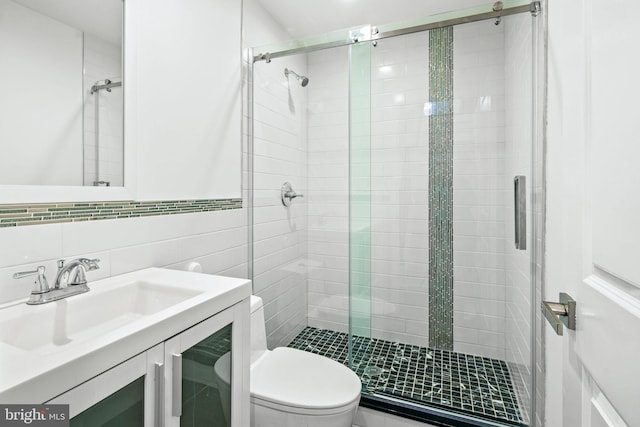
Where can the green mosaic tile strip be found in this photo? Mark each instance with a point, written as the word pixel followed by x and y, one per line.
pixel 441 188
pixel 20 215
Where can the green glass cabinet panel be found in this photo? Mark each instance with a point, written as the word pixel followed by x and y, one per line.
pixel 206 390
pixel 124 408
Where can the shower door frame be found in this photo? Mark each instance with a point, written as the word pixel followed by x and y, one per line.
pixel 370 34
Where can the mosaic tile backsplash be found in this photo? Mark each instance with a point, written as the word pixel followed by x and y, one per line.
pixel 49 213
pixel 476 385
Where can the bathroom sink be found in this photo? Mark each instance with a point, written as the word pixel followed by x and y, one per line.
pixel 58 345
pixel 93 314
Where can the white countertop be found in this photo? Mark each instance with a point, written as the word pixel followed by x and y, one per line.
pixel 39 375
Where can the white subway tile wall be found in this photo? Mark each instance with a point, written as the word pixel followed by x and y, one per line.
pixel 217 240
pixel 400 192
pixel 279 232
pixel 399 189
pixel 328 203
pixel 518 161
pixel 479 187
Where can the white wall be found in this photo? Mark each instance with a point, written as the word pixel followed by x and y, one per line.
pixel 183 76
pixel 279 156
pixel 279 232
pixel 518 137
pixel 216 239
pixel 103 60
pixel 41 102
pixel 399 218
pixel 479 193
pixel 399 189
pixel 328 203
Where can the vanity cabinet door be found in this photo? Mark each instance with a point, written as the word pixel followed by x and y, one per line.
pixel 124 396
pixel 204 377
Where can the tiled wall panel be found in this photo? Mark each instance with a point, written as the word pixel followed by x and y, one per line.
pixel 519 137
pixel 279 232
pixel 479 188
pixel 328 160
pixel 217 240
pixel 400 251
pixel 399 239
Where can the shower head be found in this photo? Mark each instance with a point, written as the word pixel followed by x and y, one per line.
pixel 304 81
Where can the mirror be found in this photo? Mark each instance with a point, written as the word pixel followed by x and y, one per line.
pixel 61 111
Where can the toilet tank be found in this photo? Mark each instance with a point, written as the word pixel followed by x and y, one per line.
pixel 257 329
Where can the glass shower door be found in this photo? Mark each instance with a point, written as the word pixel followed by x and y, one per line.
pixel 360 207
pixel 409 146
pixel 447 290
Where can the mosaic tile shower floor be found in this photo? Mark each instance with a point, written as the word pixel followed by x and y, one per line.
pixel 470 384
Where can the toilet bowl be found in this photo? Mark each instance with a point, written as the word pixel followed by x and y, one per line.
pixel 294 388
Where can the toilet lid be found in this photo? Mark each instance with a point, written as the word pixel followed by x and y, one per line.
pixel 303 380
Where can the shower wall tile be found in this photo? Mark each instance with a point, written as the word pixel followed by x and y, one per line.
pixel 399 189
pixel 328 202
pixel 518 161
pixel 280 233
pixel 215 239
pixel 399 182
pixel 479 190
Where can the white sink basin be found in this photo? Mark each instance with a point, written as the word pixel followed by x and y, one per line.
pixel 55 346
pixel 88 315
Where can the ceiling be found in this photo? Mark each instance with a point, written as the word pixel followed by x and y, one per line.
pixel 102 18
pixel 303 18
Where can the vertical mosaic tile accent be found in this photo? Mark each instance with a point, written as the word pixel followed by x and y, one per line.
pixel 49 213
pixel 459 382
pixel 441 188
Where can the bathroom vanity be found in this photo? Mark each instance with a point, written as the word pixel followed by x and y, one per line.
pixel 137 348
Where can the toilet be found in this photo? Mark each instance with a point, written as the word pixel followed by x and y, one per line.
pixel 294 388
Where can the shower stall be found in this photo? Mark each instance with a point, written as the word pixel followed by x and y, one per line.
pixel 407 244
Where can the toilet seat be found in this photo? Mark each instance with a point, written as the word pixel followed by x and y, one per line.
pixel 282 380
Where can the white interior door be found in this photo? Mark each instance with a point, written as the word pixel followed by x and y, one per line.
pixel 593 212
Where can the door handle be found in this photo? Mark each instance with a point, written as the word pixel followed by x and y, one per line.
pixel 561 313
pixel 159 406
pixel 176 398
pixel 520 211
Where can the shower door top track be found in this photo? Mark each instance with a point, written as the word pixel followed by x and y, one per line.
pixel 337 39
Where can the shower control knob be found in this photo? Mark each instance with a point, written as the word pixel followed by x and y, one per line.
pixel 287 194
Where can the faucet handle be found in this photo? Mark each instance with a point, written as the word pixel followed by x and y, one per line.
pixel 92 264
pixel 41 285
pixel 78 276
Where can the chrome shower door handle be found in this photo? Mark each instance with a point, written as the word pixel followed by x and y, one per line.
pixel 520 211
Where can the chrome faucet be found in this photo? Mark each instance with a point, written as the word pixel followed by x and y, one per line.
pixel 73 272
pixel 70 280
